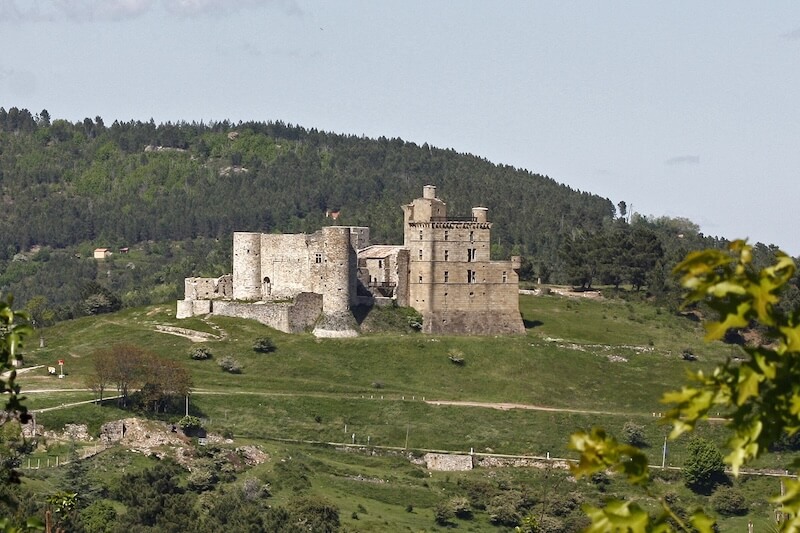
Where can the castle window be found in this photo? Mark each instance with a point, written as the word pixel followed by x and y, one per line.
pixel 471 236
pixel 446 276
pixel 446 255
pixel 470 276
pixel 420 254
pixel 380 263
pixel 445 234
pixel 420 234
pixel 505 276
pixel 471 254
pixel 420 279
pixel 318 258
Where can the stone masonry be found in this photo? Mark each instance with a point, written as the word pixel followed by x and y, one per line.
pixel 310 282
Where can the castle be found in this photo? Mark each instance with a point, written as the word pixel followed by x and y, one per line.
pixel 298 282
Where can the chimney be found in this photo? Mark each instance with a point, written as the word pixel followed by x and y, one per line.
pixel 429 192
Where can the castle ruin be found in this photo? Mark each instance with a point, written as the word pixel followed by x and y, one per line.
pixel 297 282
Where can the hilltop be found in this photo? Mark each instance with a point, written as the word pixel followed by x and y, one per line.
pixel 171 195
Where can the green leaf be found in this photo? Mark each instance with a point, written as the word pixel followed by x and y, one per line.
pixel 702 522
pixel 617 516
pixel 747 387
pixel 716 330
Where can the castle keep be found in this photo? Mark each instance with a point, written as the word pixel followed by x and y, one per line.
pixel 298 282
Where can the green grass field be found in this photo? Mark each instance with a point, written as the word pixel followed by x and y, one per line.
pixel 602 362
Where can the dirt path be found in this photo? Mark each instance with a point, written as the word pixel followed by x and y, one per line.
pixel 508 406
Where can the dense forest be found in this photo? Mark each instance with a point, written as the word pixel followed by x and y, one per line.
pixel 172 194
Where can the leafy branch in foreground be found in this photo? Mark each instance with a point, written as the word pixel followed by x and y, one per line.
pixel 761 392
pixel 14 328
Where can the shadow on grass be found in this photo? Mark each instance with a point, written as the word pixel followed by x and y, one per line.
pixel 530 324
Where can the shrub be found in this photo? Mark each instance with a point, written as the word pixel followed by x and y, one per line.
pixel 443 513
pixel 600 480
pixel 704 468
pixel 229 364
pixel 633 434
pixel 200 354
pixel 188 423
pixel 201 479
pixel 263 345
pixel 461 507
pixel 315 514
pixel 729 501
pixel 504 509
pixel 456 356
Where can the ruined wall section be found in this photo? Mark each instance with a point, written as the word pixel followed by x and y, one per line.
pixel 208 288
pixel 290 317
pixel 445 462
pixel 286 268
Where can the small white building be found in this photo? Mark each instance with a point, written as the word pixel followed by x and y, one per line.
pixel 102 253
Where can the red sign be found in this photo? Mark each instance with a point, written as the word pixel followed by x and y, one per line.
pixel 60 361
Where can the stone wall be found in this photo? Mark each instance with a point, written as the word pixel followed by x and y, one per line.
pixel 444 462
pixel 208 288
pixel 291 317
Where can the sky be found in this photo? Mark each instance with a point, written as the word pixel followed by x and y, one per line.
pixel 680 109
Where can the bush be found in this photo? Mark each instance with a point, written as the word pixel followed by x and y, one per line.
pixel 315 514
pixel 456 356
pixel 633 434
pixel 729 501
pixel 443 513
pixel 201 479
pixel 264 345
pixel 461 507
pixel 188 423
pixel 704 468
pixel 200 354
pixel 504 509
pixel 229 364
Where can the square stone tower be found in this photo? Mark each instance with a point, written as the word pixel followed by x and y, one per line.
pixel 452 281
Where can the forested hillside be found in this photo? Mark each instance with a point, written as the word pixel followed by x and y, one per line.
pixel 174 193
pixel 64 184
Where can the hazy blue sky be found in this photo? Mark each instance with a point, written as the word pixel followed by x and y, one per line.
pixel 680 108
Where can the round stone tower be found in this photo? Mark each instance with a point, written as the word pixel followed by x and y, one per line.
pixel 338 286
pixel 336 295
pixel 480 214
pixel 246 266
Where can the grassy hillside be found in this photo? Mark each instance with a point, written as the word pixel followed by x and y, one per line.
pixel 588 362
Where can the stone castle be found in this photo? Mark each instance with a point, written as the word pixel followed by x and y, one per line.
pixel 304 282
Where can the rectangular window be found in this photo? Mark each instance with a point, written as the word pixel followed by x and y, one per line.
pixel 420 255
pixel 445 234
pixel 470 276
pixel 505 276
pixel 318 258
pixel 420 234
pixel 446 276
pixel 420 279
pixel 447 255
pixel 471 236
pixel 471 254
